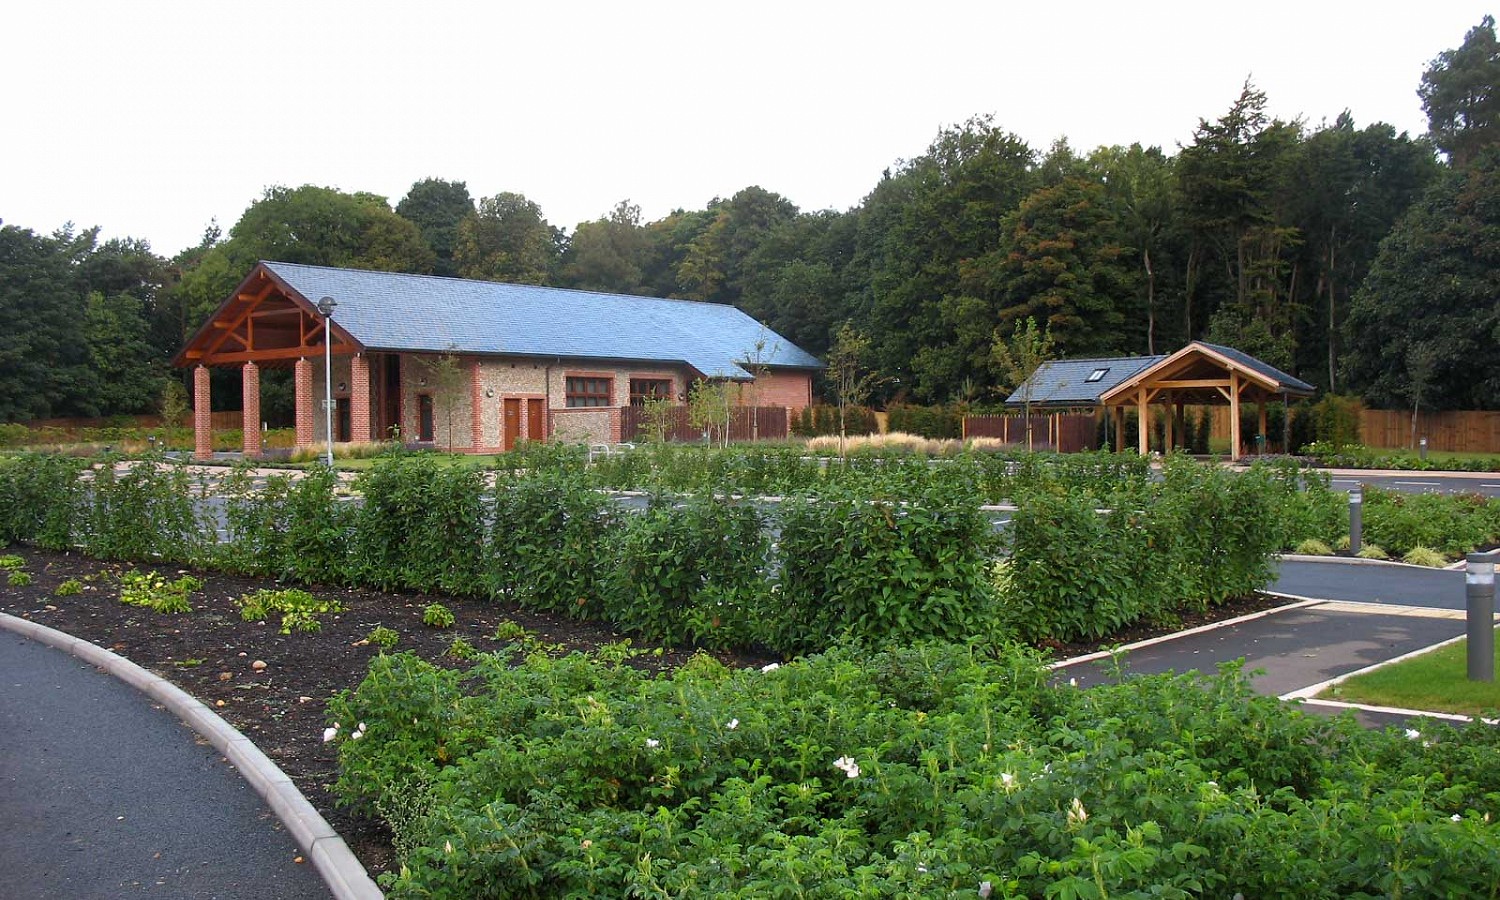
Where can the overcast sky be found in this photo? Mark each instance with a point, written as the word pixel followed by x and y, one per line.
pixel 152 119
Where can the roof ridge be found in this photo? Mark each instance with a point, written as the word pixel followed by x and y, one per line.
pixel 510 284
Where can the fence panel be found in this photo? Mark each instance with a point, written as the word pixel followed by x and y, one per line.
pixel 1456 431
pixel 1066 432
pixel 747 423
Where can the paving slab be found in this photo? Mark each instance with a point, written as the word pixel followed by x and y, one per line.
pixel 105 795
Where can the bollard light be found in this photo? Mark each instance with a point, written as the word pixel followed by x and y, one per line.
pixel 1356 517
pixel 1479 605
pixel 325 306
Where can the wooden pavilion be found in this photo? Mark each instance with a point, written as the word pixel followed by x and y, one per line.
pixel 1200 374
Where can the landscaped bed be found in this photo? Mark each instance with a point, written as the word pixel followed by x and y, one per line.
pixel 283 707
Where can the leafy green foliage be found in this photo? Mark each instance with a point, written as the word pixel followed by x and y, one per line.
pixel 929 770
pixel 70 588
pixel 153 591
pixel 41 500
pixel 299 609
pixel 881 571
pixel 17 578
pixel 419 526
pixel 143 510
pixel 687 573
pixel 1453 524
pixel 548 552
pixel 436 615
pixel 383 637
pixel 287 528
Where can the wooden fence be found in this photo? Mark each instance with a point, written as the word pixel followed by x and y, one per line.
pixel 1457 431
pixel 747 423
pixel 1064 432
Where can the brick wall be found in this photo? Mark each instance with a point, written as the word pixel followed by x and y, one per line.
pixel 790 389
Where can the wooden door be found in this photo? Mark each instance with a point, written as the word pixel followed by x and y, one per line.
pixel 510 423
pixel 536 421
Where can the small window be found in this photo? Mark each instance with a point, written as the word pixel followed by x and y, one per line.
pixel 1096 375
pixel 643 389
pixel 424 417
pixel 588 391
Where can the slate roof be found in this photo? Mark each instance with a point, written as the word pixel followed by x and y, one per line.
pixel 1264 369
pixel 1064 382
pixel 388 311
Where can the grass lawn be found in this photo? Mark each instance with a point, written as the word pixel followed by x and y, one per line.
pixel 1436 681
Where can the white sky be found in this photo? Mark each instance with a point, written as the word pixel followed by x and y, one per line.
pixel 152 118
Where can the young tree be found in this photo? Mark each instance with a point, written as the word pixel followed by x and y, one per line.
pixel 849 373
pixel 1018 357
pixel 449 376
pixel 709 408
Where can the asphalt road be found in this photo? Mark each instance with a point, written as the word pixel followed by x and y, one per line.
pixel 103 795
pixel 1487 484
pixel 1371 583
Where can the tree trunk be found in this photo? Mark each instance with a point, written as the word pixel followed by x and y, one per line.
pixel 1332 327
pixel 1150 303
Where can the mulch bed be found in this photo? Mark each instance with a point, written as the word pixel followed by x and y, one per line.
pixel 211 653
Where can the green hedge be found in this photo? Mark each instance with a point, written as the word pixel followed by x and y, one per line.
pixel 814 421
pixel 940 422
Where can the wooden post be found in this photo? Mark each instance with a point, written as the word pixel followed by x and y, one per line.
pixel 1118 412
pixel 1264 438
pixel 1170 442
pixel 1181 415
pixel 1143 427
pixel 1234 416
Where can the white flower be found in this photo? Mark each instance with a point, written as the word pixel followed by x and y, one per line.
pixel 1457 817
pixel 732 724
pixel 356 735
pixel 1072 682
pixel 447 846
pixel 330 733
pixel 847 764
pixel 1007 781
pixel 769 667
pixel 1077 815
pixel 985 888
pixel 1412 734
pixel 921 870
pixel 652 743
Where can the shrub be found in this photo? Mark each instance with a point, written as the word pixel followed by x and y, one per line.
pixel 41 500
pixel 70 588
pixel 383 637
pixel 1372 551
pixel 1313 547
pixel 1337 419
pixel 421 526
pixel 552 554
pixel 18 578
pixel 881 571
pixel 928 421
pixel 152 591
pixel 287 527
pixel 686 573
pixel 299 609
pixel 820 419
pixel 1424 556
pixel 143 510
pixel 436 615
pixel 462 649
pixel 11 563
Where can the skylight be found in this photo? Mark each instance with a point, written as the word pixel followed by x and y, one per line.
pixel 1097 375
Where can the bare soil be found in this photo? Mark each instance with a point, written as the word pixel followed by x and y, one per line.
pixel 211 654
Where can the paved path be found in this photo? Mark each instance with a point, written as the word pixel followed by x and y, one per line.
pixel 103 795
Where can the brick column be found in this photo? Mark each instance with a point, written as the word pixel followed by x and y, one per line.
pixel 359 400
pixel 476 402
pixel 250 418
pixel 304 402
pixel 203 417
pixel 616 424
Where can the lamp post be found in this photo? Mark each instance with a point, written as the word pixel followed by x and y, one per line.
pixel 325 306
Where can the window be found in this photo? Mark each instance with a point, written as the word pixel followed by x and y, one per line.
pixel 643 389
pixel 1096 375
pixel 582 391
pixel 424 417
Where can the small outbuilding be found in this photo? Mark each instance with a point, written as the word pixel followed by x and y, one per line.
pixel 1200 374
pixel 475 365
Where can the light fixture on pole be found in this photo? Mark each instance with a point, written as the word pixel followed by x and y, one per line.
pixel 325 306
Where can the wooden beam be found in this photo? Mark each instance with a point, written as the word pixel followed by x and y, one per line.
pixel 1184 383
pixel 280 353
pixel 1169 435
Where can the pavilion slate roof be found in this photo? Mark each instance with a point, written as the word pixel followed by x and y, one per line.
pixel 1064 382
pixel 387 311
pixel 1264 369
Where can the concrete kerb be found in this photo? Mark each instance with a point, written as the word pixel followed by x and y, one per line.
pixel 336 863
pixel 1357 561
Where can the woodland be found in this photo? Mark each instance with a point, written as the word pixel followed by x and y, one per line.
pixel 1362 260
